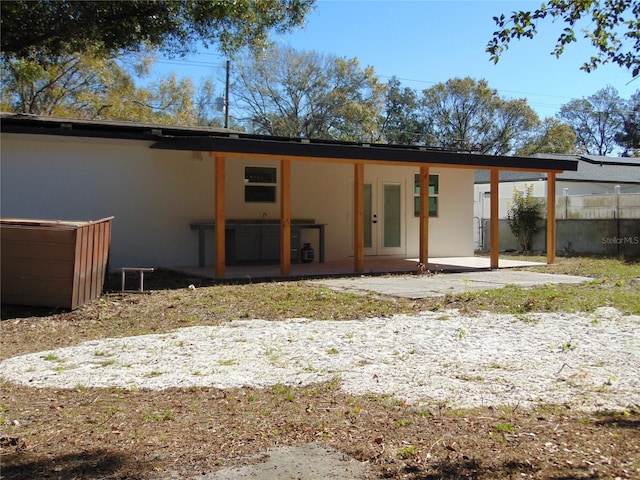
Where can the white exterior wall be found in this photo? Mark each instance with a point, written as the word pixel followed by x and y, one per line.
pixel 324 192
pixel 155 194
pixel 451 232
pixel 151 193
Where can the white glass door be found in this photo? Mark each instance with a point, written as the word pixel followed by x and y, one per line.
pixel 390 217
pixel 384 217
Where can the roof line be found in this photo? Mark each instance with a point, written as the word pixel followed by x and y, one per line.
pixel 616 163
pixel 230 142
pixel 378 153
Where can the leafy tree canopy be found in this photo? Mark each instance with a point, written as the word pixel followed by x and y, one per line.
pixel 613 28
pixel 629 137
pixel 401 122
pixel 549 136
pixel 465 114
pixel 84 85
pixel 303 93
pixel 595 120
pixel 51 28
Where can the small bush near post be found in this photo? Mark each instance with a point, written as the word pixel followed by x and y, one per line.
pixel 523 216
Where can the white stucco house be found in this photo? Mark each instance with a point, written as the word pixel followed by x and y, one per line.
pixel 167 187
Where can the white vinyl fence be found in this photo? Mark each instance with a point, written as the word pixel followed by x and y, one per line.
pixel 586 224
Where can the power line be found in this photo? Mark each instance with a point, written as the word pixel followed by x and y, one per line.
pixel 190 63
pixel 539 105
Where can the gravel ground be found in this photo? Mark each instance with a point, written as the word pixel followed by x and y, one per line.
pixel 587 361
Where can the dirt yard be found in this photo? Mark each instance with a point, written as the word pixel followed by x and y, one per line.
pixel 198 431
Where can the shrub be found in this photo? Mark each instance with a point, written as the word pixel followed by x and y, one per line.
pixel 523 217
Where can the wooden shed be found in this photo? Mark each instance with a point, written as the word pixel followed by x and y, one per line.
pixel 53 263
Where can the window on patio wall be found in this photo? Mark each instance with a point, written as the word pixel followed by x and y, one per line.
pixel 260 184
pixel 433 195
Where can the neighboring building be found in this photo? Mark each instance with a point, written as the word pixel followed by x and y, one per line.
pixel 157 181
pixel 600 200
pixel 596 175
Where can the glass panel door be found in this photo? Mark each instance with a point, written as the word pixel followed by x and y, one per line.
pixel 384 212
pixel 392 215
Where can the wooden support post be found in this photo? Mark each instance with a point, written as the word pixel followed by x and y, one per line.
pixel 494 221
pixel 424 215
pixel 220 219
pixel 551 217
pixel 285 217
pixel 358 218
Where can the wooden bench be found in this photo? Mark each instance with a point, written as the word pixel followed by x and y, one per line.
pixel 140 270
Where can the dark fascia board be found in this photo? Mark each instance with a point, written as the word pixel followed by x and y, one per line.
pixel 287 147
pixel 612 182
pixel 228 141
pixel 36 124
pixel 559 179
pixel 613 161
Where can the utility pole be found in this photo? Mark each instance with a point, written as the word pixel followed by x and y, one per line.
pixel 226 99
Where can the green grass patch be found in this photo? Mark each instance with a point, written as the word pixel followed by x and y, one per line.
pixel 403 423
pixel 504 428
pixel 409 451
pixel 584 297
pixel 163 416
pixel 595 267
pixel 227 362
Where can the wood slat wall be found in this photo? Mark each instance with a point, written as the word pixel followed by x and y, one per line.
pixel 53 264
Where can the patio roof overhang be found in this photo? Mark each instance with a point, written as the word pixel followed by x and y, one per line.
pixel 233 144
pixel 300 149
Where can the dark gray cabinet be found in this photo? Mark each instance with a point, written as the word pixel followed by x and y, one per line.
pixel 270 243
pixel 248 241
pixel 259 243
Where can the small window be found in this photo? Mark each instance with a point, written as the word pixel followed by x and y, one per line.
pixel 260 184
pixel 433 195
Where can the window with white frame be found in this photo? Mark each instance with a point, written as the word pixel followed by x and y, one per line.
pixel 260 184
pixel 433 195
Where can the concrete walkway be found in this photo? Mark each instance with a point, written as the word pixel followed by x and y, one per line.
pixel 414 286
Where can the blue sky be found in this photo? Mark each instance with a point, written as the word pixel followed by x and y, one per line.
pixel 427 42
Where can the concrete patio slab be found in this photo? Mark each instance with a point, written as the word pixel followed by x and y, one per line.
pixel 415 287
pixel 372 266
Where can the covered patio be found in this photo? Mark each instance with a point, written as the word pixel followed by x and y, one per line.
pixel 288 150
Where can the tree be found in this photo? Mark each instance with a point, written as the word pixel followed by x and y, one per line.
pixel 613 30
pixel 629 137
pixel 401 122
pixel 549 136
pixel 95 87
pixel 50 87
pixel 595 120
pixel 291 93
pixel 206 106
pixel 465 114
pixel 52 28
pixel 523 217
